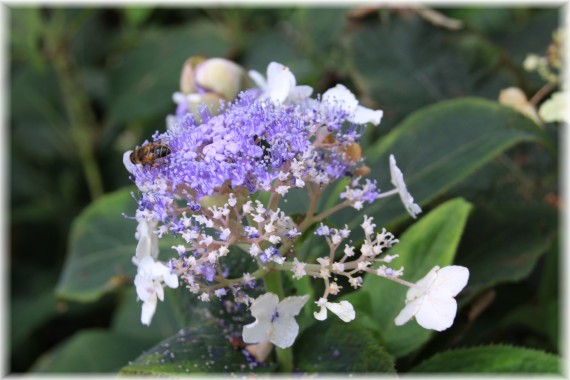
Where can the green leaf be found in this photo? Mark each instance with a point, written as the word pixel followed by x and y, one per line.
pixel 91 351
pixel 500 245
pixel 142 83
pixel 28 313
pixel 437 147
pixel 201 348
pixel 101 245
pixel 406 63
pixel 491 359
pixel 338 347
pixel 165 322
pixel 137 15
pixel 431 241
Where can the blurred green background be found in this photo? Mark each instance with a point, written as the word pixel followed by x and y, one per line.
pixel 87 84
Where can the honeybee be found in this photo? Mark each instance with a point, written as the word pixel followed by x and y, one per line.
pixel 149 153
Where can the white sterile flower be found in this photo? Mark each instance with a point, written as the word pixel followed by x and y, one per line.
pixel 148 240
pixel 280 85
pixel 274 320
pixel 432 301
pixel 343 310
pixel 398 180
pixel 148 282
pixel 341 97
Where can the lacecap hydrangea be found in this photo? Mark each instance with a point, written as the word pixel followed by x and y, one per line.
pixel 205 190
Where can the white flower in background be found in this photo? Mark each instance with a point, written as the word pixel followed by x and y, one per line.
pixel 397 179
pixel 555 108
pixel 274 320
pixel 432 300
pixel 148 282
pixel 280 85
pixel 341 97
pixel 343 310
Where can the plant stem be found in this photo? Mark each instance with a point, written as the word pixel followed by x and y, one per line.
pixel 81 116
pixel 274 284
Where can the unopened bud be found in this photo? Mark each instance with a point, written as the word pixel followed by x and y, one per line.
pixel 220 76
pixel 187 81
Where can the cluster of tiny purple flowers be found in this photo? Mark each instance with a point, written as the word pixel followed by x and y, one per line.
pixel 205 192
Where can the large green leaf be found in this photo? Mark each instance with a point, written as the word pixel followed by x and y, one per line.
pixel 431 241
pixel 437 147
pixel 143 81
pixel 501 245
pixel 165 322
pixel 338 347
pixel 91 351
pixel 101 245
pixel 491 359
pixel 406 63
pixel 202 348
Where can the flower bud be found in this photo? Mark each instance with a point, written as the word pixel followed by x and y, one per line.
pixel 187 82
pixel 217 76
pixel 221 76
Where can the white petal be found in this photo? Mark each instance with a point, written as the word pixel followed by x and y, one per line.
pixel 143 248
pixel 127 161
pixel 397 179
pixel 451 280
pixel 171 280
pixel 437 312
pixel 280 81
pixel 258 79
pixel 291 306
pixel 148 309
pixel 283 332
pixel 158 290
pixel 146 266
pixel 264 306
pixel 344 310
pixel 142 284
pixel 340 96
pixel 321 315
pixel 365 115
pixel 298 93
pixel 423 285
pixel 255 332
pixel 408 312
